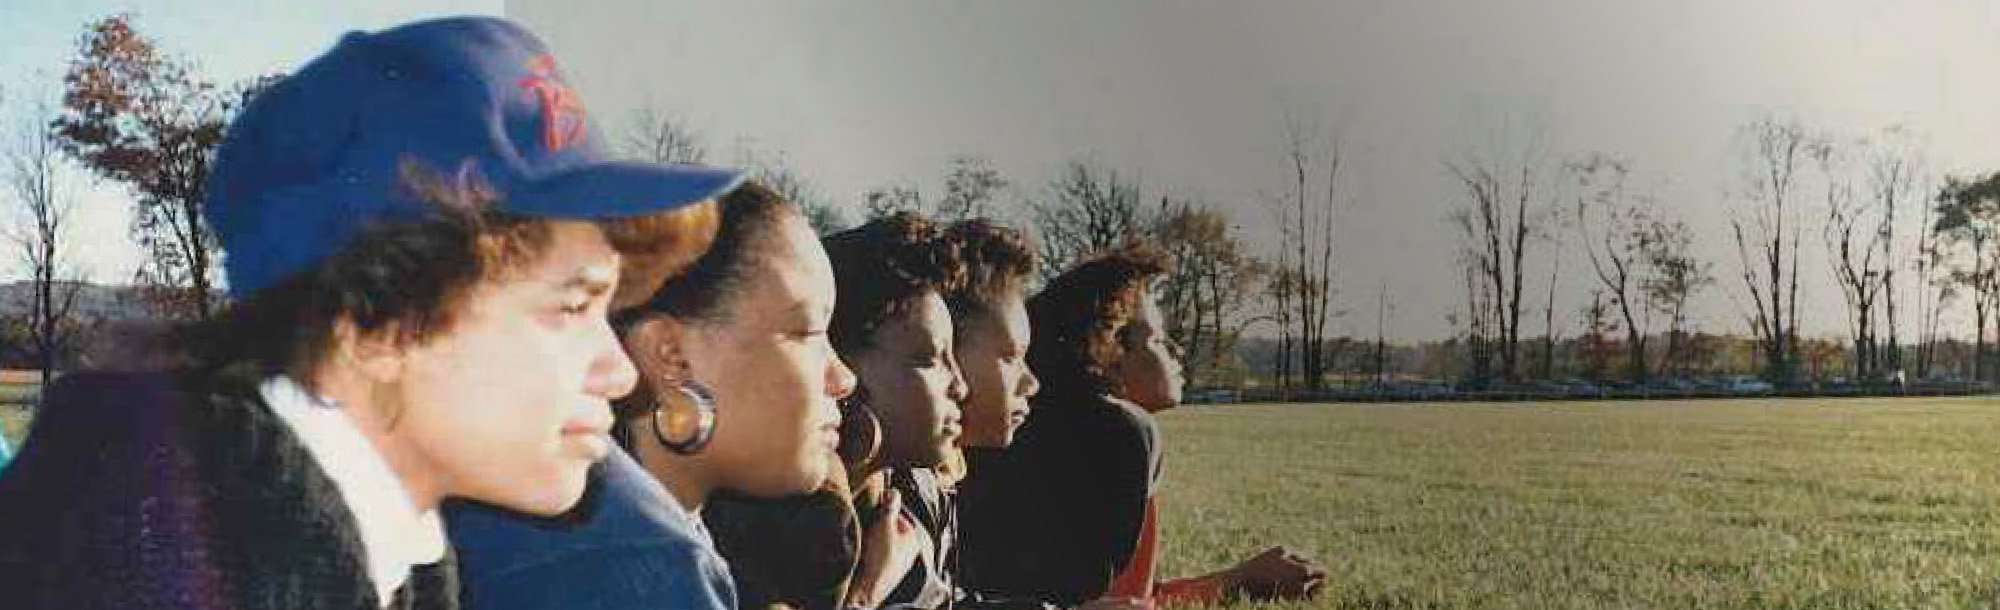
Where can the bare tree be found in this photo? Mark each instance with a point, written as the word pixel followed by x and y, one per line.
pixel 1767 234
pixel 1506 197
pixel 657 137
pixel 1616 231
pixel 1089 209
pixel 1856 250
pixel 886 201
pixel 1866 184
pixel 1895 180
pixel 1306 219
pixel 146 119
pixel 971 187
pixel 1935 288
pixel 774 170
pixel 36 173
pixel 1549 321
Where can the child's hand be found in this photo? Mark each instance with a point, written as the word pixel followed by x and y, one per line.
pixel 889 549
pixel 1276 574
pixel 1116 603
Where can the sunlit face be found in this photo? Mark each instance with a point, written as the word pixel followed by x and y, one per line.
pixel 992 345
pixel 914 384
pixel 775 377
pixel 1149 372
pixel 511 404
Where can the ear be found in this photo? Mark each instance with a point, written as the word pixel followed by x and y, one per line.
pixel 371 354
pixel 659 346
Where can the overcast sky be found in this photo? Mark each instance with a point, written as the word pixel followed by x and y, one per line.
pixel 1190 96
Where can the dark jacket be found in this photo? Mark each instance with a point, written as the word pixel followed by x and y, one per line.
pixel 627 545
pixel 799 551
pixel 156 490
pixel 1055 516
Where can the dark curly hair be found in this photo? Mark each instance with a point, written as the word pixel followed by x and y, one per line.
pixel 1077 318
pixel 880 270
pixel 997 262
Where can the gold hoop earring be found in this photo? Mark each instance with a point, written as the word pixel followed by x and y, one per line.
pixel 684 420
pixel 860 446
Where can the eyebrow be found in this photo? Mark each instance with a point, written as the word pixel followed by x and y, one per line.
pixel 592 280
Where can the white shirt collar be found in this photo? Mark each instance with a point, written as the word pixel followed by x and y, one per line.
pixel 396 535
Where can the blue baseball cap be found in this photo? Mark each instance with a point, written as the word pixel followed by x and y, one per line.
pixel 319 156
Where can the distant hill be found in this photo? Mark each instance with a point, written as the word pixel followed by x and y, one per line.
pixel 93 301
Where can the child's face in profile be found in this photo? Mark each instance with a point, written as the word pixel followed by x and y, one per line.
pixel 1149 373
pixel 913 383
pixel 510 405
pixel 993 353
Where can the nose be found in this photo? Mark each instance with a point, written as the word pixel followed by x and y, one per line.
pixel 840 380
pixel 958 390
pixel 1030 384
pixel 611 374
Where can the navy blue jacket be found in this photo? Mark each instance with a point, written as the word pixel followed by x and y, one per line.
pixel 627 545
pixel 181 491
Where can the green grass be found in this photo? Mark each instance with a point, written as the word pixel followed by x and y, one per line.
pixel 14 412
pixel 13 424
pixel 1805 504
pixel 1822 504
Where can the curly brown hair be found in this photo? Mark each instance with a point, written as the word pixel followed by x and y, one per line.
pixel 880 270
pixel 1077 318
pixel 997 262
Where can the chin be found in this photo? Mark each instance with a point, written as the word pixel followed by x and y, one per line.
pixel 998 439
pixel 547 500
pixel 813 479
pixel 1161 402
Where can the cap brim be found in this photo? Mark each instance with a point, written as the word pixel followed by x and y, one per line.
pixel 621 188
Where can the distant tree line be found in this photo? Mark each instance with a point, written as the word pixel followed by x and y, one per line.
pixel 1900 243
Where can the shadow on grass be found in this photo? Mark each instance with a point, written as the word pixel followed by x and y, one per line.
pixel 1381 600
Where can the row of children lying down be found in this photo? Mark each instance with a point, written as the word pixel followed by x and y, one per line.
pixel 440 282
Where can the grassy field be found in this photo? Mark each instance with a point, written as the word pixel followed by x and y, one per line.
pixel 13 415
pixel 1824 504
pixel 13 424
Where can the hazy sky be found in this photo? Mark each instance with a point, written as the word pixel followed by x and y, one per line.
pixel 1190 96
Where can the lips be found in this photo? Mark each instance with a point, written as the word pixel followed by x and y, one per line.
pixel 588 432
pixel 829 435
pixel 1017 417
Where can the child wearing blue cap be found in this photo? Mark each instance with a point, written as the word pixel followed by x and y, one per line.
pixel 423 234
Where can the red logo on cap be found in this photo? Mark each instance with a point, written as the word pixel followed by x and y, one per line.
pixel 562 110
